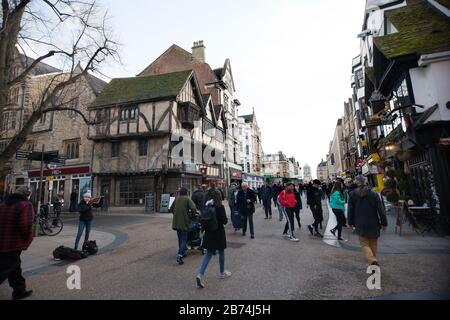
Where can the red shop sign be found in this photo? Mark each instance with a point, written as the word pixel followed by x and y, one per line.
pixel 59 172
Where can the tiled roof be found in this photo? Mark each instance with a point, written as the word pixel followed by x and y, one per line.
pixel 422 29
pixel 40 69
pixel 96 84
pixel 139 89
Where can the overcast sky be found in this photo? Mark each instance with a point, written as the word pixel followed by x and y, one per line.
pixel 291 59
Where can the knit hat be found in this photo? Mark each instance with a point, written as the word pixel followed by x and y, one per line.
pixel 87 195
pixel 361 180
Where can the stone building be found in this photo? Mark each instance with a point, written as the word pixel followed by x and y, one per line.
pixel 322 171
pixel 251 150
pixel 64 132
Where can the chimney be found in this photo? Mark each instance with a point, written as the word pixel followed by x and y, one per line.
pixel 198 51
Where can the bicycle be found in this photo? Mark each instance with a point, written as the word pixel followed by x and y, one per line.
pixel 50 226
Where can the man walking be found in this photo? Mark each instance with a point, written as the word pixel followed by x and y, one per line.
pixel 267 195
pixel 16 234
pixel 246 199
pixel 199 197
pixel 315 196
pixel 184 210
pixel 288 201
pixel 366 217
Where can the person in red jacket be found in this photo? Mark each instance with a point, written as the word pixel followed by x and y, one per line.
pixel 16 234
pixel 288 201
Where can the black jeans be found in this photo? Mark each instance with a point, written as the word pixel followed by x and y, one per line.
pixel 340 217
pixel 289 213
pixel 249 218
pixel 268 207
pixel 10 268
pixel 318 216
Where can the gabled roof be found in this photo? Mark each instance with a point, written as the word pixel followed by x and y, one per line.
pixel 40 69
pixel 220 73
pixel 140 89
pixel 247 118
pixel 422 29
pixel 96 84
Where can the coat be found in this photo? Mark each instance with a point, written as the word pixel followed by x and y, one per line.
pixel 287 199
pixel 245 208
pixel 85 211
pixel 199 198
pixel 337 201
pixel 366 213
pixel 184 209
pixel 315 196
pixel 16 224
pixel 266 193
pixel 299 200
pixel 216 240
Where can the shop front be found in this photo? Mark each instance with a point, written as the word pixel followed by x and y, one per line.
pixel 374 173
pixel 76 180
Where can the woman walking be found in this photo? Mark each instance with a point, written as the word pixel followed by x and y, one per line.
pixel 337 204
pixel 86 217
pixel 215 240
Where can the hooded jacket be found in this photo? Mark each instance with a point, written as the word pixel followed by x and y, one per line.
pixel 288 199
pixel 366 213
pixel 16 224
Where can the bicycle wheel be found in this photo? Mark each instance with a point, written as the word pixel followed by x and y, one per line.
pixel 52 226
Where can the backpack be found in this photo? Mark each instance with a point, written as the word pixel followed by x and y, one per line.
pixel 66 253
pixel 90 247
pixel 208 218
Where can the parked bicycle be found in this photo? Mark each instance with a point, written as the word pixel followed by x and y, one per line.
pixel 50 225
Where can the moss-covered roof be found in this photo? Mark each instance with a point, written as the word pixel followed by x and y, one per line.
pixel 139 89
pixel 422 30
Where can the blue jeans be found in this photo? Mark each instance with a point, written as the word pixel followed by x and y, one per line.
pixel 207 259
pixel 81 225
pixel 280 211
pixel 182 242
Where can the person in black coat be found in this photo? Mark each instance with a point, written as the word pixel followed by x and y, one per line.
pixel 299 207
pixel 315 197
pixel 215 240
pixel 267 195
pixel 246 199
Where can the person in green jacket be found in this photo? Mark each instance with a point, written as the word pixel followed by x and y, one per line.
pixel 184 210
pixel 337 204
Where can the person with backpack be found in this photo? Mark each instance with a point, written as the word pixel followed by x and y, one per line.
pixel 288 201
pixel 184 210
pixel 16 234
pixel 86 217
pixel 214 239
pixel 366 216
pixel 246 199
pixel 337 205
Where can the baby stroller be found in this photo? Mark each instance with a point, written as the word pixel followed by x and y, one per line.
pixel 195 237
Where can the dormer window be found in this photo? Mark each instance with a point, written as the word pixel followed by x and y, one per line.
pixel 390 28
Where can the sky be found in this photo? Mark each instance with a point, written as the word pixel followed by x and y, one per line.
pixel 291 59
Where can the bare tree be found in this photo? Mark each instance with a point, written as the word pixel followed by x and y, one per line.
pixel 72 32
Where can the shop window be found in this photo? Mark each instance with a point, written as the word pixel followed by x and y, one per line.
pixel 132 191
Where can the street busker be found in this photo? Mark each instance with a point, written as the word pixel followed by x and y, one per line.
pixel 215 240
pixel 337 204
pixel 315 197
pixel 246 199
pixel 299 206
pixel 199 197
pixel 366 216
pixel 16 234
pixel 86 217
pixel 267 195
pixel 288 201
pixel 184 210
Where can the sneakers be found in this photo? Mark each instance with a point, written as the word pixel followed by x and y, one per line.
pixel 286 235
pixel 317 234
pixel 21 295
pixel 333 231
pixel 200 283
pixel 340 239
pixel 225 274
pixel 180 260
pixel 311 230
pixel 294 239
pixel 252 237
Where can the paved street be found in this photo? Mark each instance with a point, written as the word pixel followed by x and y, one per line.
pixel 140 264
